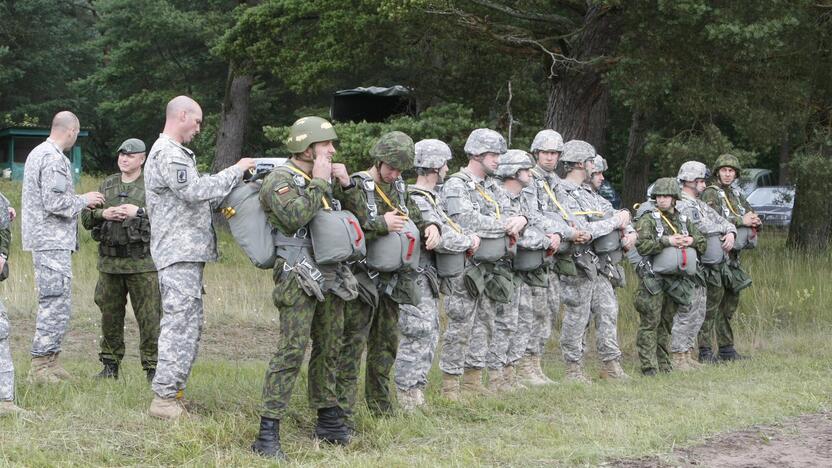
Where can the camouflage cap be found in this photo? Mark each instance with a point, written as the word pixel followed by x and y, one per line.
pixel 577 151
pixel 512 161
pixel 666 186
pixel 132 145
pixel 600 164
pixel 484 140
pixel 692 170
pixel 431 154
pixel 396 149
pixel 727 160
pixel 307 131
pixel 547 140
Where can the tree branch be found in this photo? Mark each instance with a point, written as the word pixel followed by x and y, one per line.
pixel 560 22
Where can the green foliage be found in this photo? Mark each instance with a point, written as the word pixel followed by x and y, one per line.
pixel 705 147
pixel 450 123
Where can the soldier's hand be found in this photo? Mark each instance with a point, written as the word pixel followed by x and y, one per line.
pixel 114 213
pixel 623 218
pixel 2 263
pixel 748 219
pixel 555 242
pixel 322 168
pixel 246 164
pixel 582 237
pixel 677 240
pixel 432 237
pixel 687 241
pixel 339 173
pixel 475 239
pixel 630 240
pixel 93 199
pixel 728 241
pixel 12 214
pixel 515 224
pixel 129 210
pixel 395 221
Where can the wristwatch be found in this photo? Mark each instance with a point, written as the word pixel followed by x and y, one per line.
pixel 140 212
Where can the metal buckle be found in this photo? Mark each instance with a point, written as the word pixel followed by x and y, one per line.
pixel 287 268
pixel 372 274
pixel 405 210
pixel 313 272
pixel 302 233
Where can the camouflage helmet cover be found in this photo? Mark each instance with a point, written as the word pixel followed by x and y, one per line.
pixel 396 149
pixel 666 186
pixel 484 140
pixel 431 154
pixel 692 170
pixel 547 140
pixel 512 161
pixel 727 160
pixel 600 164
pixel 307 131
pixel 577 151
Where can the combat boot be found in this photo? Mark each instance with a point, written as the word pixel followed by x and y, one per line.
pixel 510 374
pixel 167 408
pixel 39 372
pixel 450 386
pixel 110 370
pixel 706 356
pixel 330 426
pixel 728 353
pixel 496 381
pixel 472 383
pixel 575 373
pixel 267 442
pixel 151 373
pixel 679 361
pixel 612 370
pixel 56 369
pixel 527 374
pixel 692 362
pixel 8 408
pixel 410 399
pixel 537 367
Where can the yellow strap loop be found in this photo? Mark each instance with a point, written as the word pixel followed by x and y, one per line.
pixel 383 196
pixel 593 213
pixel 730 206
pixel 450 222
pixel 489 199
pixel 303 174
pixel 672 228
pixel 552 197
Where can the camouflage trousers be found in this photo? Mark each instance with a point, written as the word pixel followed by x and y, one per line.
pixel 604 308
pixel 482 332
pixel 181 326
pixel 463 311
pixel 303 318
pixel 419 326
pixel 377 330
pixel 546 305
pixel 525 334
pixel 576 294
pixel 6 364
pixel 111 297
pixel 720 306
pixel 653 338
pixel 687 322
pixel 53 279
pixel 505 326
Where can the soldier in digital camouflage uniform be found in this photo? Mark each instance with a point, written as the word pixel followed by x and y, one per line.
pixel 377 327
pixel 659 295
pixel 125 267
pixel 179 204
pixel 688 319
pixel 50 232
pixel 473 201
pixel 291 196
pixel 725 285
pixel 546 147
pixel 578 290
pixel 7 406
pixel 604 303
pixel 419 324
pixel 513 321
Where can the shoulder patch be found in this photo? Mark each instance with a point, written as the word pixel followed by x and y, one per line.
pixel 181 176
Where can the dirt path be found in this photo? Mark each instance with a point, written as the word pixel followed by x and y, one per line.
pixel 805 441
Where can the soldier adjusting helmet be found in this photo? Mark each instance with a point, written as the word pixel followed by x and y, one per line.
pixel 692 170
pixel 727 160
pixel 484 140
pixel 511 162
pixel 395 149
pixel 309 130
pixel 666 186
pixel 577 151
pixel 431 154
pixel 547 140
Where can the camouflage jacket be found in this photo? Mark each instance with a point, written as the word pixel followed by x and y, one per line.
pixel 5 226
pixel 467 206
pixel 728 201
pixel 652 239
pixel 179 203
pixel 706 219
pixel 543 210
pixel 118 193
pixel 532 237
pixel 454 238
pixel 50 206
pixel 587 212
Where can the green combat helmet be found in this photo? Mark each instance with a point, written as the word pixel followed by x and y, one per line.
pixel 577 151
pixel 511 162
pixel 132 146
pixel 600 164
pixel 396 149
pixel 692 170
pixel 484 140
pixel 666 186
pixel 727 160
pixel 307 131
pixel 547 140
pixel 431 154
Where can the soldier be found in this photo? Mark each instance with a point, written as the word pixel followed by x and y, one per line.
pixel 546 147
pixel 578 290
pixel 125 267
pixel 659 294
pixel 604 303
pixel 419 324
pixel 513 327
pixel 474 202
pixel 7 406
pixel 688 319
pixel 724 291
pixel 50 232
pixel 291 196
pixel 376 326
pixel 179 205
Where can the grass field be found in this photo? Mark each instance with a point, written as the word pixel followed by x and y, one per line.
pixel 784 322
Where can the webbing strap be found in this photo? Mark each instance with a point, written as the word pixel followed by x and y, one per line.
pixel 447 219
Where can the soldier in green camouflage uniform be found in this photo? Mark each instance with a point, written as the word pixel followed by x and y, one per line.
pixel 725 286
pixel 125 266
pixel 374 322
pixel 658 295
pixel 291 196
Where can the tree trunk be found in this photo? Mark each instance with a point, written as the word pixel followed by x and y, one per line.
pixel 636 164
pixel 578 103
pixel 785 155
pixel 811 226
pixel 233 119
